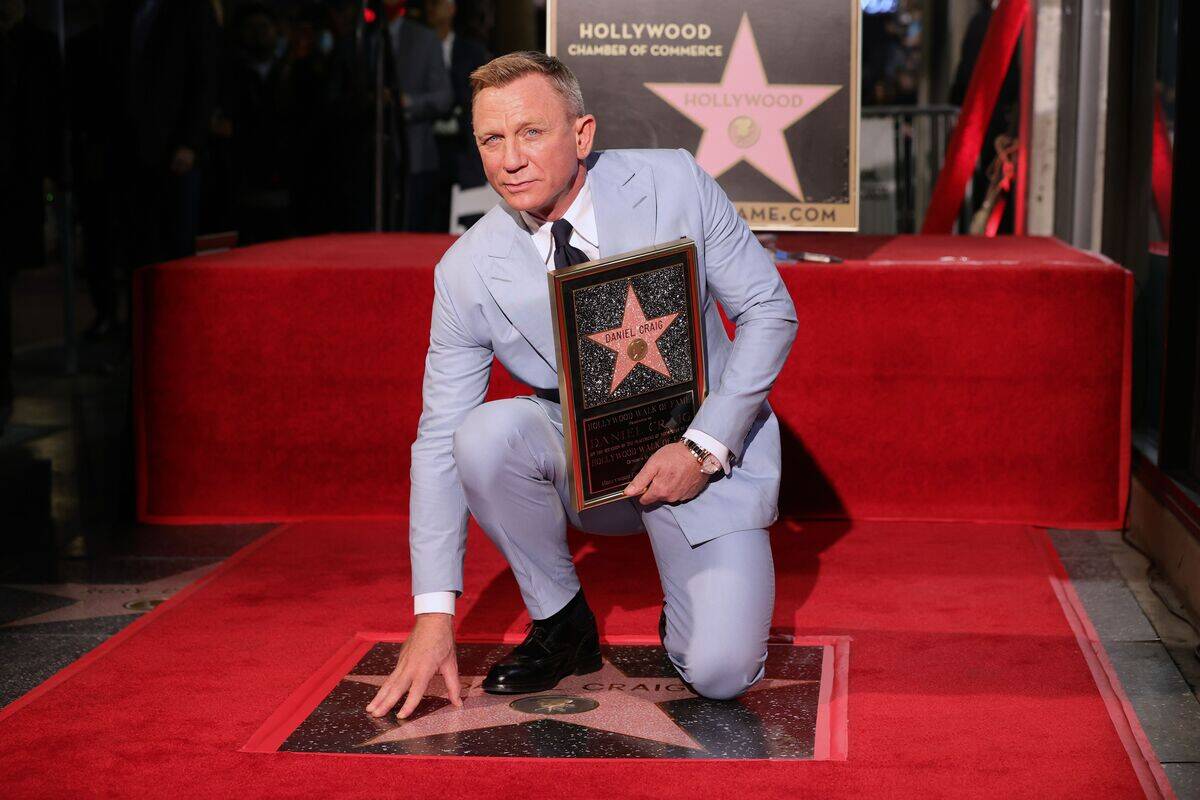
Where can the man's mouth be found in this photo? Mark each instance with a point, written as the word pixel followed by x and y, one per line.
pixel 519 186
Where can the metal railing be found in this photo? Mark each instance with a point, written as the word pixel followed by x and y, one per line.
pixel 919 136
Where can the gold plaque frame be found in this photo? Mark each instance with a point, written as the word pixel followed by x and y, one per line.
pixel 674 398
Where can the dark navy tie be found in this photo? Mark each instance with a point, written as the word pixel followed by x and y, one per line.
pixel 564 254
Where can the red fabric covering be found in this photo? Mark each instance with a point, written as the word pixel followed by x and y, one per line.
pixel 932 378
pixel 966 679
pixel 999 44
pixel 1162 168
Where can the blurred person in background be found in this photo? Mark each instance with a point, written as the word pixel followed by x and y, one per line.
pixel 318 87
pixel 163 62
pixel 420 91
pixel 458 157
pixel 31 128
pixel 90 110
pixel 252 119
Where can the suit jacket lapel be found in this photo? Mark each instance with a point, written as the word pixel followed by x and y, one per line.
pixel 623 199
pixel 516 277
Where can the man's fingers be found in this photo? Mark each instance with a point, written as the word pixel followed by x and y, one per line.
pixel 415 692
pixel 388 694
pixel 450 676
pixel 651 495
pixel 385 698
pixel 641 481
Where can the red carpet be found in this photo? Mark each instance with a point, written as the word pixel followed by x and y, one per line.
pixel 943 378
pixel 966 678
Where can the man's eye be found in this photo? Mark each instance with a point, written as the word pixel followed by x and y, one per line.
pixel 490 139
pixel 532 132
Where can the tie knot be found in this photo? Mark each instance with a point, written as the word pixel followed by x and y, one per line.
pixel 561 232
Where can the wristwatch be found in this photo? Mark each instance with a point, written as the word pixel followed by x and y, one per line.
pixel 709 464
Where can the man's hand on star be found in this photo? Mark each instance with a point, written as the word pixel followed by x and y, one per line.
pixel 429 650
pixel 672 475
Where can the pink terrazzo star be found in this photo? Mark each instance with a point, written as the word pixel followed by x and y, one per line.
pixel 616 703
pixel 635 341
pixel 743 116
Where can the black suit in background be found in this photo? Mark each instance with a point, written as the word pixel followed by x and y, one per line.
pixel 30 146
pixel 253 98
pixel 416 70
pixel 163 62
pixel 458 157
pixel 466 56
pixel 31 120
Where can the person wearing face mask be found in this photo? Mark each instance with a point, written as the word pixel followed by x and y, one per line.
pixel 314 85
pixel 253 114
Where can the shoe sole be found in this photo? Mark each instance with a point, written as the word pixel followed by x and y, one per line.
pixel 586 667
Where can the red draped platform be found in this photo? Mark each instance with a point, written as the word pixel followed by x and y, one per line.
pixel 933 378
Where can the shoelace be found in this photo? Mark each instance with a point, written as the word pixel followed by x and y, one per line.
pixel 534 635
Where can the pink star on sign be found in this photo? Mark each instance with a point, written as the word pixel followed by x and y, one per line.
pixel 635 341
pixel 743 116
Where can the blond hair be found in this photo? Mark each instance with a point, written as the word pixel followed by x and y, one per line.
pixel 505 69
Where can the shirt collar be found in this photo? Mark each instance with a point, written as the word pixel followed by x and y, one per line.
pixel 581 215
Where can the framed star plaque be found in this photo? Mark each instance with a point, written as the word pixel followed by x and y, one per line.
pixel 764 93
pixel 629 343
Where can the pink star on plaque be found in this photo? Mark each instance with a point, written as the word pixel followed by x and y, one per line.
pixel 743 116
pixel 635 341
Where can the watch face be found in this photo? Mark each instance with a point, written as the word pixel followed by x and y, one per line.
pixel 710 465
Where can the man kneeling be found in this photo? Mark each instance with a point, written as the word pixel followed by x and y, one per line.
pixel 704 501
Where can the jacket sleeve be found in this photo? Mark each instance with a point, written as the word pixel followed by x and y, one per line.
pixel 743 278
pixel 457 371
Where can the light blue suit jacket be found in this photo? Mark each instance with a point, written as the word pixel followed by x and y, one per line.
pixel 491 300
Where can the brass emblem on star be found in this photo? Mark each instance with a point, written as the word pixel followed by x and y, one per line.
pixel 637 349
pixel 743 131
pixel 554 704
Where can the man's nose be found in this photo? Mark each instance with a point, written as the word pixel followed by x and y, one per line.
pixel 514 156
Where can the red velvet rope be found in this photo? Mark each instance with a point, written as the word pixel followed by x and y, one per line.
pixel 1003 33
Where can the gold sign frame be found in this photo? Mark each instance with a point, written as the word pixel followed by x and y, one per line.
pixel 665 407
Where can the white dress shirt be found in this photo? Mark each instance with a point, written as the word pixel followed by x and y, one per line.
pixel 582 216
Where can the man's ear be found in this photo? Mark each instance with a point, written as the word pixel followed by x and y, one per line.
pixel 585 134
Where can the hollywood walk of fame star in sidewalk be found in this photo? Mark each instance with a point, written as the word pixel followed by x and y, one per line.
pixel 627 711
pixel 95 600
pixel 635 340
pixel 743 116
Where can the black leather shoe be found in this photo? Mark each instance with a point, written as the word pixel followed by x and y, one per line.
pixel 564 644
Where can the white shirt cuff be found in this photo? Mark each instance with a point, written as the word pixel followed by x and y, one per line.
pixel 434 603
pixel 711 445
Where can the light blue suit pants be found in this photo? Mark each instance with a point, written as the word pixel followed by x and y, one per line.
pixel 719 595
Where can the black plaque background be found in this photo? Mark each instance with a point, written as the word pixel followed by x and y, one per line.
pixel 653 386
pixel 807 42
